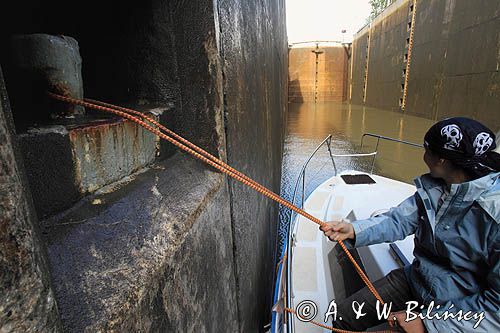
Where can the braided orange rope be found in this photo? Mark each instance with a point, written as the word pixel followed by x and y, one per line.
pixel 214 162
pixel 178 137
pixel 223 164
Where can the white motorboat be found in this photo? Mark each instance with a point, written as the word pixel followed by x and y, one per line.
pixel 312 271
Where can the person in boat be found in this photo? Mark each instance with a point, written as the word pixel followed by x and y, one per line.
pixel 455 216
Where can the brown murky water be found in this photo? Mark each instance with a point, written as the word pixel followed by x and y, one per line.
pixel 308 124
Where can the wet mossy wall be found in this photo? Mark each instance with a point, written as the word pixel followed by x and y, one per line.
pixel 455 60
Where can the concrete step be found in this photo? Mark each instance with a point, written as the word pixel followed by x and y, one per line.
pixel 78 160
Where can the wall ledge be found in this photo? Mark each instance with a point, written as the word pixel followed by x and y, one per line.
pixel 107 252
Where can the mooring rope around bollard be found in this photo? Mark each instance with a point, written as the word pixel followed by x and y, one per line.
pixel 213 161
pixel 179 138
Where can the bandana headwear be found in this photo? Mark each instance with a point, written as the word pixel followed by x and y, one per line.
pixel 466 143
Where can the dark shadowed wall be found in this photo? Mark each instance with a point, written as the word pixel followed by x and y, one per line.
pixel 27 300
pixel 169 244
pixel 254 51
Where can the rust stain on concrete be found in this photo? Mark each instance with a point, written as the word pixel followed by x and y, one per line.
pixel 108 151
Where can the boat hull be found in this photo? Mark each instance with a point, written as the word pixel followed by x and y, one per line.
pixel 316 272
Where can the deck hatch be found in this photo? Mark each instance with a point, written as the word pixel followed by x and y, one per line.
pixel 357 179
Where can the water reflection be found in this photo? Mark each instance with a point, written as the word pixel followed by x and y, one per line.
pixel 309 123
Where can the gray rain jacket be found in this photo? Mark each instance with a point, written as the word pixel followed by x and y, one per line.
pixel 457 248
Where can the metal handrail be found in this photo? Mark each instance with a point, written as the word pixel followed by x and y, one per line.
pixel 290 241
pixel 328 141
pixel 382 137
pixel 351 155
pixel 389 139
pixel 302 176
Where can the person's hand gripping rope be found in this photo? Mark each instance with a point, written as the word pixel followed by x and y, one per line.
pixel 338 230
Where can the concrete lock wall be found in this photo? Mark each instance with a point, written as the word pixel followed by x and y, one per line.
pixel 143 239
pixel 254 44
pixel 357 68
pixel 454 60
pixel 318 74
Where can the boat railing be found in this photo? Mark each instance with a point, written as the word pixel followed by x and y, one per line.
pixel 302 176
pixel 387 138
pixel 301 179
pixel 328 141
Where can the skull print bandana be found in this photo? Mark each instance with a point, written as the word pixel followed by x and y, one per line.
pixel 465 142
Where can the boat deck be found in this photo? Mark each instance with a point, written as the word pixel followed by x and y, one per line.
pixel 315 272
